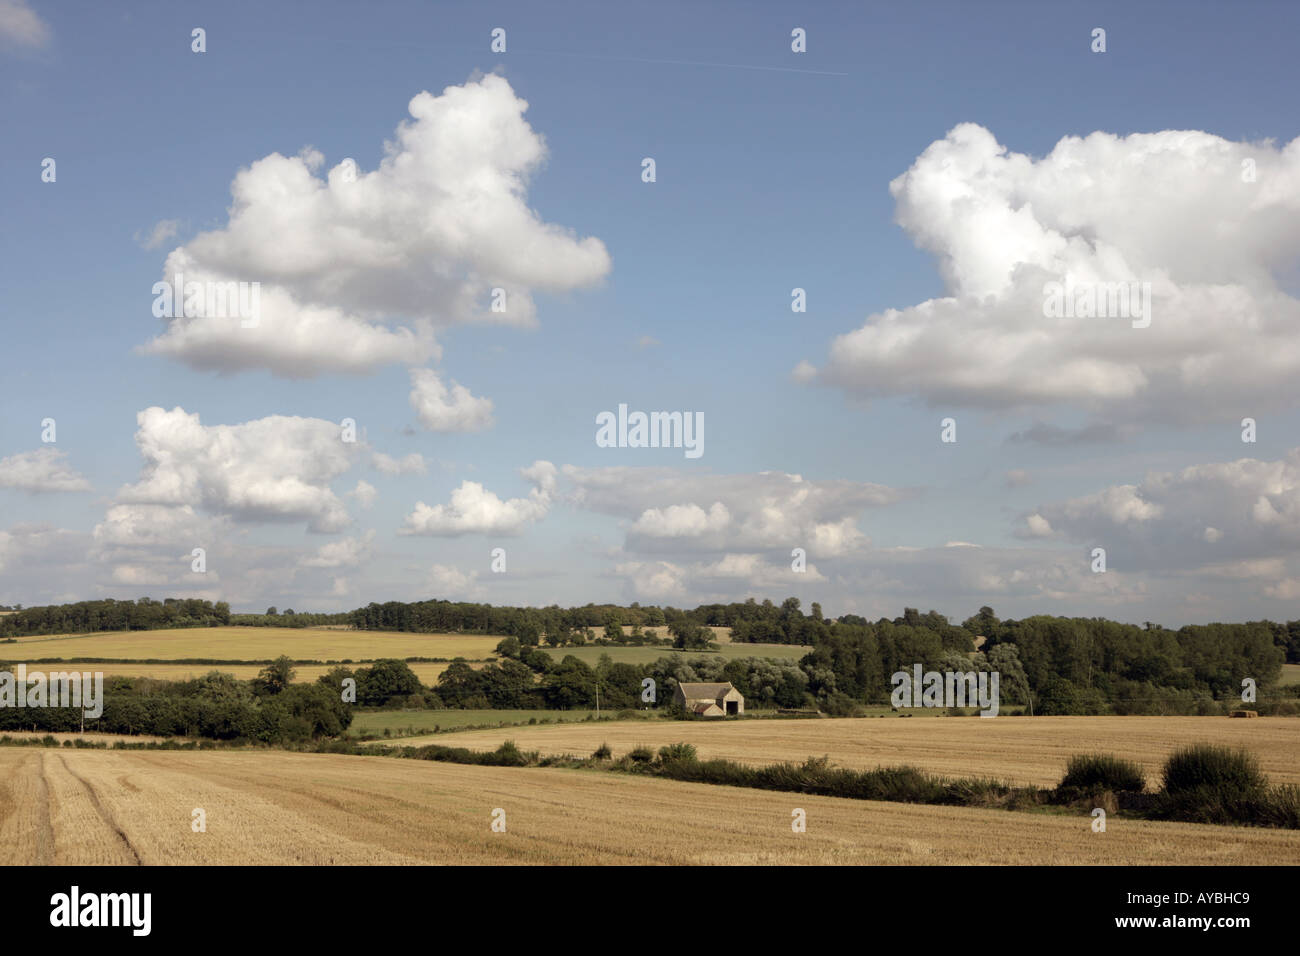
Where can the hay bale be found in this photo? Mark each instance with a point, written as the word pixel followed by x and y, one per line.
pixel 1244 713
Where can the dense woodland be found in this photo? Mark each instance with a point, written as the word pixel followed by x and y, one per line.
pixel 86 617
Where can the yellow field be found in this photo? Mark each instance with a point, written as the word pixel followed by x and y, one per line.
pixel 427 672
pixel 1020 750
pixel 251 643
pixel 96 807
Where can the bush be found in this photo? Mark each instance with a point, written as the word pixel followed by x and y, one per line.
pixel 602 752
pixel 838 704
pixel 641 754
pixel 1206 783
pixel 509 755
pixel 1214 768
pixel 1097 772
pixel 678 752
pixel 1283 807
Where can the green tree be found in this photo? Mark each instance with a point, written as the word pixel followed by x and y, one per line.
pixel 275 677
pixel 687 635
pixel 386 680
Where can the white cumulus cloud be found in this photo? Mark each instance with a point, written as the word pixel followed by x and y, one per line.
pixel 443 409
pixel 682 521
pixel 767 510
pixel 277 468
pixel 345 258
pixel 44 469
pixel 474 509
pixel 1169 208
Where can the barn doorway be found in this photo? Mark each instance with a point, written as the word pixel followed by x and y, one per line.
pixel 733 708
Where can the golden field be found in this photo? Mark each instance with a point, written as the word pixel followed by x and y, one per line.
pixel 106 807
pixel 251 643
pixel 1019 750
pixel 302 673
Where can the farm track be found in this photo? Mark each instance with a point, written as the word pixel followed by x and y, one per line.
pixel 285 808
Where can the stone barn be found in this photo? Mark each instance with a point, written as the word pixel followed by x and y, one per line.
pixel 710 700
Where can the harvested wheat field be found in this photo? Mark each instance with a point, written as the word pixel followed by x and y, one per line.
pixel 427 672
pixel 251 644
pixel 1019 750
pixel 97 807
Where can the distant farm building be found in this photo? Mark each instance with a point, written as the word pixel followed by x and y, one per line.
pixel 710 700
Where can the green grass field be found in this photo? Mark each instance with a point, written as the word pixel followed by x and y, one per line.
pixel 1290 675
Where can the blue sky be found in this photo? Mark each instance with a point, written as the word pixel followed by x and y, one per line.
pixel 773 172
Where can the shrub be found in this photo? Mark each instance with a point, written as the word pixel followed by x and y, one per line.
pixel 1207 783
pixel 509 755
pixel 602 752
pixel 1216 768
pixel 1282 807
pixel 838 704
pixel 641 754
pixel 1097 772
pixel 678 752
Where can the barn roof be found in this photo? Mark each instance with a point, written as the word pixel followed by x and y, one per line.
pixel 713 691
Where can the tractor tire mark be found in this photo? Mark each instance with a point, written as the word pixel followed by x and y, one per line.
pixel 103 811
pixel 45 831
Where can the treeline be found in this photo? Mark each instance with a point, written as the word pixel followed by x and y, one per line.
pixel 1057 665
pixel 85 617
pixel 534 679
pixel 290 618
pixel 218 706
pixel 765 623
pixel 554 625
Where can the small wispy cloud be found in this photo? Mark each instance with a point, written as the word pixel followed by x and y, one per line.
pixel 20 26
pixel 162 231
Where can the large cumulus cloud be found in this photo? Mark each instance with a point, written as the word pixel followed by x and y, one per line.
pixel 1173 209
pixel 277 468
pixel 357 268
